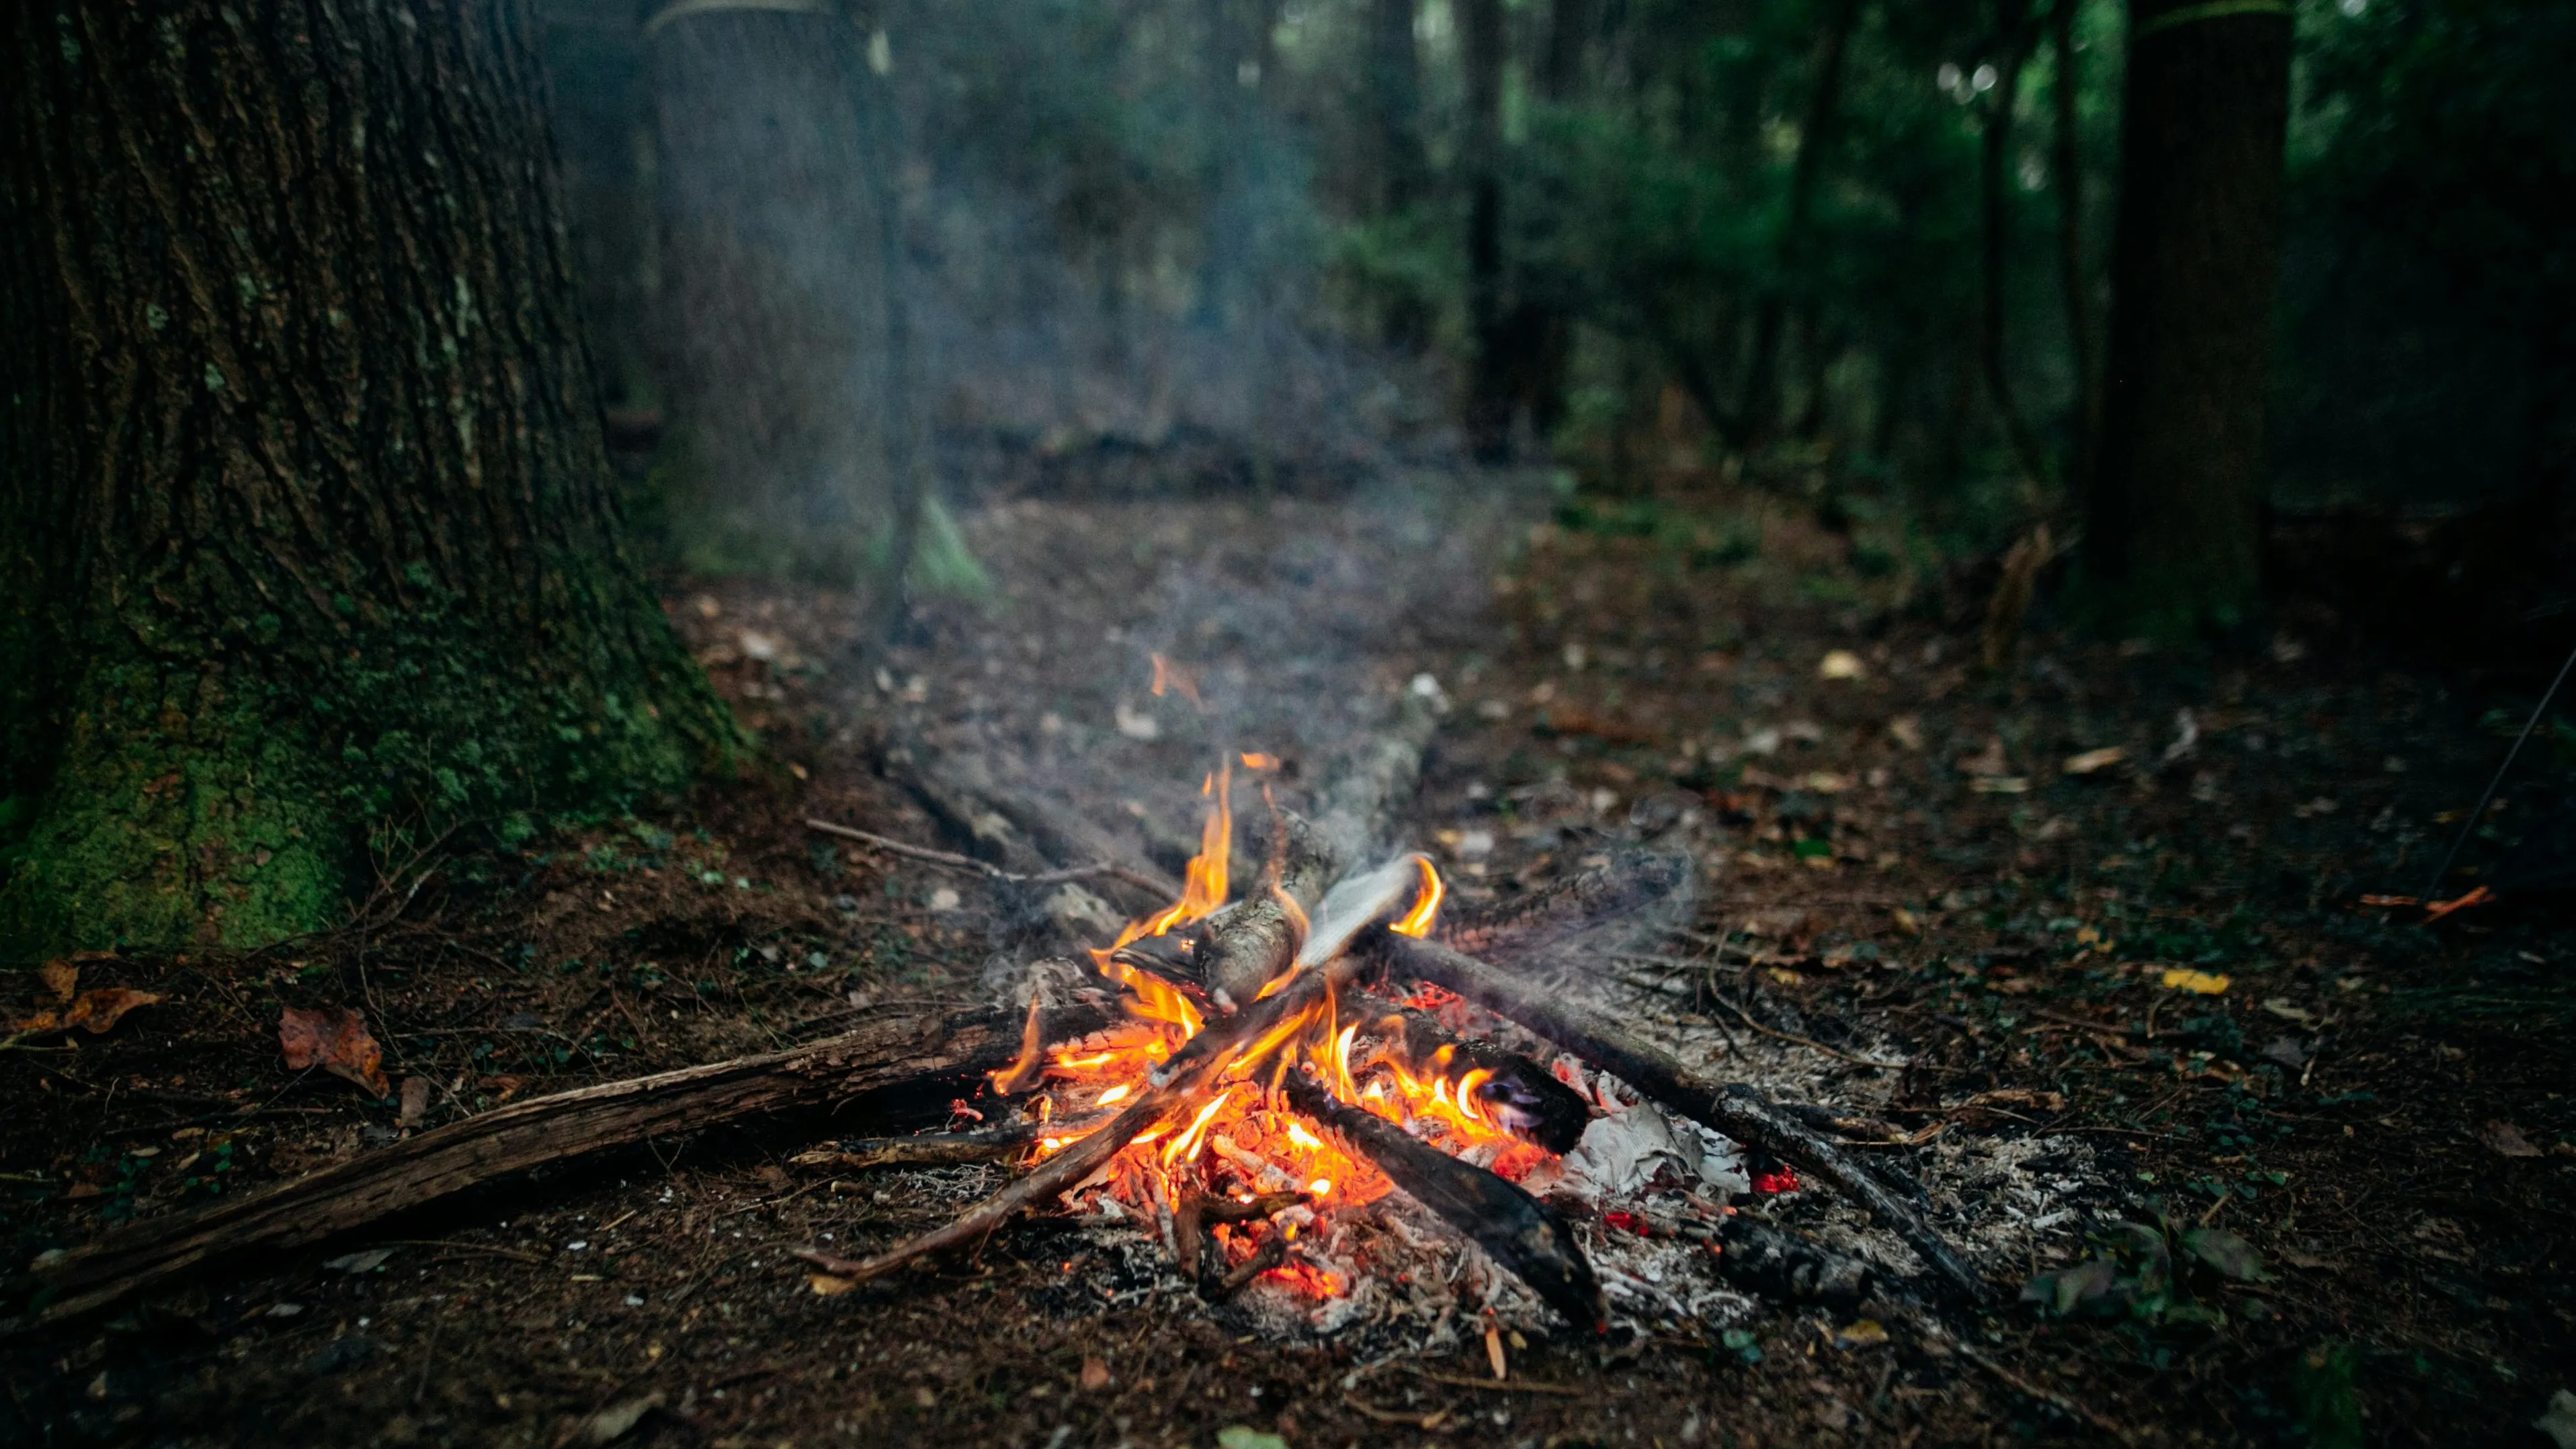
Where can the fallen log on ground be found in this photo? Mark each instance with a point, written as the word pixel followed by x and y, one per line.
pixel 1520 1232
pixel 1737 1110
pixel 928 1051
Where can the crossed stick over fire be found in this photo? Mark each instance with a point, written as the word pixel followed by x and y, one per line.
pixel 1249 1004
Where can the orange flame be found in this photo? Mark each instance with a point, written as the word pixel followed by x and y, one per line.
pixel 1259 760
pixel 1426 906
pixel 1023 1069
pixel 1168 675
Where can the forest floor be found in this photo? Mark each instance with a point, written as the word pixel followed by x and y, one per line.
pixel 2377 1106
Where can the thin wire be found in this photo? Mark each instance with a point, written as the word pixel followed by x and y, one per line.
pixel 2434 890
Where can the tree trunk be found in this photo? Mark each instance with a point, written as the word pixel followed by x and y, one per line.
pixel 1815 137
pixel 2067 160
pixel 2173 533
pixel 1400 169
pixel 305 519
pixel 1994 197
pixel 1542 332
pixel 1489 387
pixel 774 325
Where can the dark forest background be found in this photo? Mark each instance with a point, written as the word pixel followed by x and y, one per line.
pixel 1852 251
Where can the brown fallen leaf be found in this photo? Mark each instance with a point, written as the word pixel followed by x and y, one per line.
pixel 61 977
pixel 335 1040
pixel 95 1011
pixel 2506 1140
pixel 1095 1374
pixel 415 1101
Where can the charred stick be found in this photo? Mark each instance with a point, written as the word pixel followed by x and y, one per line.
pixel 1539 1109
pixel 1272 1252
pixel 1521 1232
pixel 1736 1110
pixel 1772 1263
pixel 938 1149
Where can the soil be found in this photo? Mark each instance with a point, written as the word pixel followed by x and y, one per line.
pixel 1897 854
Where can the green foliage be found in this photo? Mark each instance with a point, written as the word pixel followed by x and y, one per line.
pixel 2146 1273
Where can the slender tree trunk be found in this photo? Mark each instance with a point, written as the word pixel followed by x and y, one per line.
pixel 774 329
pixel 2067 160
pixel 1395 132
pixel 1489 392
pixel 2173 537
pixel 1540 330
pixel 306 531
pixel 1815 140
pixel 1994 168
pixel 885 583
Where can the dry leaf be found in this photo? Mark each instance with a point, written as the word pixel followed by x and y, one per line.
pixel 2198 983
pixel 1840 664
pixel 827 1284
pixel 2092 760
pixel 2506 1140
pixel 61 978
pixel 96 1010
pixel 415 1101
pixel 1095 1374
pixel 1906 730
pixel 335 1040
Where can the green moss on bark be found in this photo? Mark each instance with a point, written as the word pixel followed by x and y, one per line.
pixel 240 795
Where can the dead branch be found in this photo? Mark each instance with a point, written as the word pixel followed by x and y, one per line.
pixel 1126 875
pixel 1522 1233
pixel 1774 1263
pixel 903 1051
pixel 1736 1110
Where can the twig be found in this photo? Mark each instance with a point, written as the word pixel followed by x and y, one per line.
pixel 2468 827
pixel 953 861
pixel 1497 1386
pixel 1374 1414
pixel 1791 1036
pixel 2055 1400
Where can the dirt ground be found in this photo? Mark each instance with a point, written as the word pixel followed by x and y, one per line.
pixel 1899 852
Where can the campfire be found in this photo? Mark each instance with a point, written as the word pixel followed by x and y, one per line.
pixel 1279 1071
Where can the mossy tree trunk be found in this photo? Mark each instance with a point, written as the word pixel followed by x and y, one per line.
pixel 307 541
pixel 2172 539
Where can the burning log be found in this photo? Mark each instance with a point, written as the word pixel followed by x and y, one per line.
pixel 908 1055
pixel 1182 1083
pixel 1534 1106
pixel 1737 1110
pixel 1521 1232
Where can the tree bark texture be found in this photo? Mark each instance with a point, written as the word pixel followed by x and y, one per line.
pixel 2173 531
pixel 1757 416
pixel 1489 386
pixel 774 329
pixel 306 530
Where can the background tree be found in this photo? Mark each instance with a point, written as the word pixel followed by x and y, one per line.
pixel 308 534
pixel 2173 529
